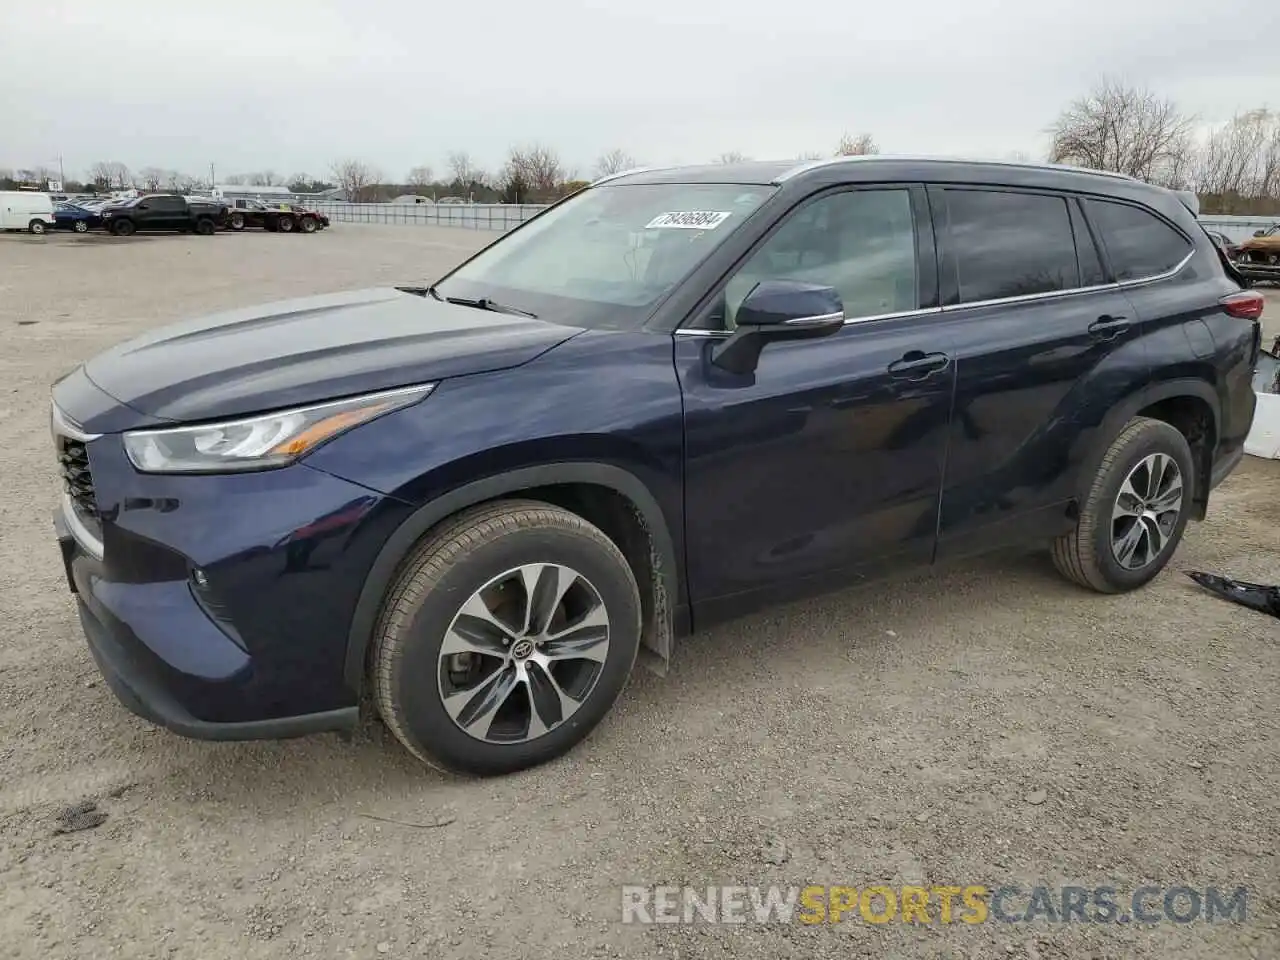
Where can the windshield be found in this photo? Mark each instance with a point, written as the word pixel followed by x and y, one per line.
pixel 606 256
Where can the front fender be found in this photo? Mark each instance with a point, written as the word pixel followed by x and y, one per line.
pixel 434 511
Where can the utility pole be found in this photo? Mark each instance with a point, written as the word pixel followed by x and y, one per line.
pixel 213 181
pixel 62 174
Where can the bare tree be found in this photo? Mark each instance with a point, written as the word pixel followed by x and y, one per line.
pixel 265 178
pixel 464 169
pixel 237 180
pixel 856 145
pixel 150 178
pixel 26 174
pixel 356 179
pixel 615 161
pixel 532 172
pixel 110 174
pixel 420 177
pixel 731 156
pixel 1127 130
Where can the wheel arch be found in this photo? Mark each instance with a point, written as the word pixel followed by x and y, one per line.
pixel 561 484
pixel 1187 403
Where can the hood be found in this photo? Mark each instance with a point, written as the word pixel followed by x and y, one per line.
pixel 305 351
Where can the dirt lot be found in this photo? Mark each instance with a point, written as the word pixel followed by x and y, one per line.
pixel 986 724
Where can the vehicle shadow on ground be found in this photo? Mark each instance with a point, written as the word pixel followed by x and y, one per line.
pixel 863 623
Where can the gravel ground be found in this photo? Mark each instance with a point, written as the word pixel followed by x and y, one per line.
pixel 986 724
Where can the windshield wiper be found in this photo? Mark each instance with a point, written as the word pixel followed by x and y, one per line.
pixel 484 303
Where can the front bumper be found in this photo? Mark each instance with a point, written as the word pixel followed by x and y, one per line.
pixel 220 606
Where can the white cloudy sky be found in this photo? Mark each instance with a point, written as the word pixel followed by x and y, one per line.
pixel 293 85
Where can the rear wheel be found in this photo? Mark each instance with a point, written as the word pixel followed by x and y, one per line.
pixel 286 224
pixel 123 228
pixel 506 638
pixel 37 227
pixel 1135 512
pixel 236 222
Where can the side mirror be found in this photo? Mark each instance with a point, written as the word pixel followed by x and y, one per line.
pixel 778 310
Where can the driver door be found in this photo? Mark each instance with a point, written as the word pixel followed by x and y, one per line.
pixel 827 459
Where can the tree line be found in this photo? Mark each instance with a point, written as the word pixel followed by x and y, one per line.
pixel 1234 166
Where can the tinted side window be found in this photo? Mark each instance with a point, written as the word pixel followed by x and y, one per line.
pixel 1138 243
pixel 165 204
pixel 862 242
pixel 1010 244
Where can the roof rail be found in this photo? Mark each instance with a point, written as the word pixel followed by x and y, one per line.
pixel 622 173
pixel 863 158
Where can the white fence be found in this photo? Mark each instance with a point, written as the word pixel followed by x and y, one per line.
pixel 471 216
pixel 1237 228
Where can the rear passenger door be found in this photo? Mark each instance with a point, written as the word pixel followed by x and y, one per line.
pixel 1034 319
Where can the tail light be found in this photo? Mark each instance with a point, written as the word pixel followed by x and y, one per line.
pixel 1245 305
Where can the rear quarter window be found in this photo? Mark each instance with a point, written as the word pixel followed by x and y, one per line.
pixel 1139 244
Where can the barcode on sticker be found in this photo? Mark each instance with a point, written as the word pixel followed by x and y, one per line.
pixel 688 220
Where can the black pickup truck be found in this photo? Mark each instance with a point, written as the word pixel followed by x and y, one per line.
pixel 163 211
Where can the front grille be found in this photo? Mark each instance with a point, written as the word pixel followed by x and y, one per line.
pixel 77 479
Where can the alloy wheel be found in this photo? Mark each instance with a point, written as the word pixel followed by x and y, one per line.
pixel 1146 511
pixel 523 654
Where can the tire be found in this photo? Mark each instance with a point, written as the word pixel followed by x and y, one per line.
pixel 285 224
pixel 123 228
pixel 307 224
pixel 236 222
pixel 80 226
pixel 37 227
pixel 206 227
pixel 484 549
pixel 1087 555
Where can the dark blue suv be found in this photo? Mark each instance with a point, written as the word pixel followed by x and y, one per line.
pixel 672 398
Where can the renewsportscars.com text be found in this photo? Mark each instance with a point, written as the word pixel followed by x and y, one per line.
pixel 968 904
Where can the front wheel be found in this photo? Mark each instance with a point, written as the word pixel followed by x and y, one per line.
pixel 236 222
pixel 307 225
pixel 506 638
pixel 286 224
pixel 1135 512
pixel 81 227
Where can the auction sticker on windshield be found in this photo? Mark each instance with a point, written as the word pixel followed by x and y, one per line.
pixel 688 220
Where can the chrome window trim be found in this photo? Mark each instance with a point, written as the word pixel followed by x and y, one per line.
pixel 817 320
pixel 83 536
pixel 64 425
pixel 848 322
pixel 1160 276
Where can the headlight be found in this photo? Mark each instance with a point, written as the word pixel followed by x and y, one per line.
pixel 261 442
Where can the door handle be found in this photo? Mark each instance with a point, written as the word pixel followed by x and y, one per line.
pixel 1107 327
pixel 916 365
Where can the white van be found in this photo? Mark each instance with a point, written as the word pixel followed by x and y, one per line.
pixel 22 210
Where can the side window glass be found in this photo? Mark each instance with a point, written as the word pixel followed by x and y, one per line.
pixel 862 242
pixel 1010 244
pixel 1138 243
pixel 1091 272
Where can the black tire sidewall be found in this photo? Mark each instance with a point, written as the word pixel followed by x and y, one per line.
pixel 416 685
pixel 123 228
pixel 1156 437
pixel 308 225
